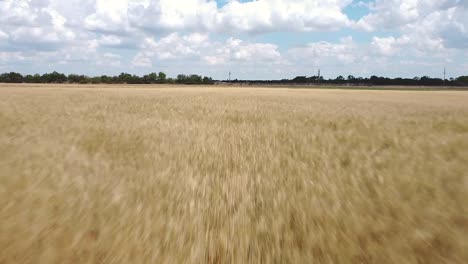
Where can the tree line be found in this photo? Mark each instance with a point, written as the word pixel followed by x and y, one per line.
pixel 360 81
pixel 161 78
pixel 123 78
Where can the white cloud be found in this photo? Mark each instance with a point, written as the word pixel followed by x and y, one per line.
pixel 236 50
pixel 33 22
pixel 16 12
pixel 389 13
pixel 389 46
pixel 257 51
pixel 172 15
pixel 396 13
pixel 109 59
pixel 172 46
pixel 202 15
pixel 346 51
pixel 284 15
pixel 432 21
pixel 200 47
pixel 142 60
pixel 8 56
pixel 3 35
pixel 109 16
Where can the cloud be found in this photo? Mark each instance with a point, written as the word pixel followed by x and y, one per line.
pixel 109 59
pixel 33 24
pixel 430 20
pixel 389 46
pixel 172 46
pixel 108 16
pixel 199 47
pixel 238 51
pixel 3 35
pixel 8 56
pixel 142 60
pixel 451 26
pixel 173 15
pixel 345 51
pixel 283 15
pixel 162 16
pixel 17 13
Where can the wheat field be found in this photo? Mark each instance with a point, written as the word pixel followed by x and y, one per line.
pixel 171 174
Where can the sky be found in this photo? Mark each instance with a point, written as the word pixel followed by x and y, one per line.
pixel 262 39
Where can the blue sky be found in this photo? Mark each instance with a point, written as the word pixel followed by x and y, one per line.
pixel 263 39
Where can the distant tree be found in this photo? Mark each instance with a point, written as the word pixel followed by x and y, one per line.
pixel 313 79
pixel 125 78
pixel 28 79
pixel 463 80
pixel 300 79
pixel 54 77
pixel 162 77
pixel 106 79
pixel 74 78
pixel 12 77
pixel 207 80
pixel 181 78
pixel 377 80
pixel 96 80
pixel 84 80
pixel 135 79
pixel 427 81
pixel 194 79
pixel 151 78
pixel 340 79
pixel 36 78
pixel 146 79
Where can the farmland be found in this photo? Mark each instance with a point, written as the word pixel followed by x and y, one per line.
pixel 173 174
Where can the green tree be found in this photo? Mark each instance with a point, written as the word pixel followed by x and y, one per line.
pixel 75 78
pixel 54 77
pixel 12 77
pixel 96 80
pixel 463 80
pixel 162 77
pixel 181 78
pixel 125 78
pixel 207 80
pixel 151 78
pixel 106 79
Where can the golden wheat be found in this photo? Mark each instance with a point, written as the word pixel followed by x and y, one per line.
pixel 168 174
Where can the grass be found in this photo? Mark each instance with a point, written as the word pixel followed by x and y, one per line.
pixel 241 175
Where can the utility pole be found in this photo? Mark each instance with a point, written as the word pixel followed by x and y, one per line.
pixel 444 76
pixel 229 76
pixel 318 77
